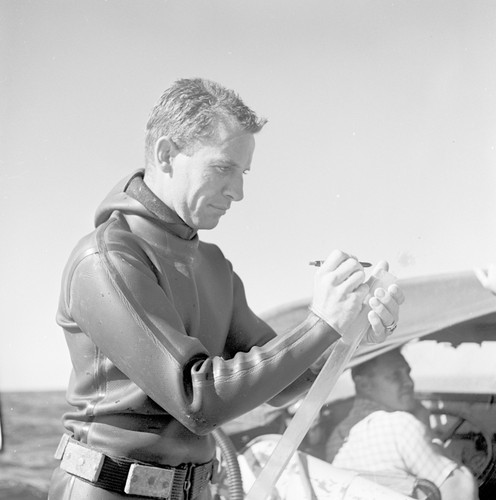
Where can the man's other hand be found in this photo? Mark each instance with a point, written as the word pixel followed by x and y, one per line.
pixel 384 313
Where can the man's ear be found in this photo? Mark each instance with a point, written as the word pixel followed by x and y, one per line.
pixel 165 150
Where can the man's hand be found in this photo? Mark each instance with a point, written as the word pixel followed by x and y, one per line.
pixel 339 290
pixel 384 314
pixel 339 293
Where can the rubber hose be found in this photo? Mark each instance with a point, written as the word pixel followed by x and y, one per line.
pixel 234 479
pixel 428 488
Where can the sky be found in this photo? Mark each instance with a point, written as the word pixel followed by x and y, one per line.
pixel 380 141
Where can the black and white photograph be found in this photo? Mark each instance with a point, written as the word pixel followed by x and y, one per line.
pixel 249 249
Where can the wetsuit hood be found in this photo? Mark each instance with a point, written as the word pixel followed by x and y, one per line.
pixel 118 199
pixel 131 196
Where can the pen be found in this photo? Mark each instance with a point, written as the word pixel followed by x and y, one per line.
pixel 318 263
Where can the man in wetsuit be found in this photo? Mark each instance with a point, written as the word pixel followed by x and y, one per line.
pixel 163 344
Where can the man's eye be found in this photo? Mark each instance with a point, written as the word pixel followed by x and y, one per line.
pixel 223 169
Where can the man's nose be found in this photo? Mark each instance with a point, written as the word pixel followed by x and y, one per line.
pixel 234 188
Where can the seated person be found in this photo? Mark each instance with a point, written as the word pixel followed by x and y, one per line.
pixel 387 430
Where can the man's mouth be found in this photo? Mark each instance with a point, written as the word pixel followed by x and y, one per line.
pixel 222 209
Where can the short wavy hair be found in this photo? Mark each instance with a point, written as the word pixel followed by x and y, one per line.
pixel 189 110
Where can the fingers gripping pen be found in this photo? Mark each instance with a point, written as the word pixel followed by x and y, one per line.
pixel 263 486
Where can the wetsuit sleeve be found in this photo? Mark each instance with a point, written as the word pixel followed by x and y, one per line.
pixel 115 299
pixel 248 330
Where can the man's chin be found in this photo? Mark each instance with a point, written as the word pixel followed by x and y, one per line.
pixel 409 403
pixel 403 403
pixel 211 224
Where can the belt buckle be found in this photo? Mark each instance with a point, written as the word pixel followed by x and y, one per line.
pixel 148 481
pixel 82 461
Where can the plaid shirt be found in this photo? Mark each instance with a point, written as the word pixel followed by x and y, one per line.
pixel 375 440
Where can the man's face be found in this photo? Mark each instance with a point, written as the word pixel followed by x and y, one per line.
pixel 390 383
pixel 207 181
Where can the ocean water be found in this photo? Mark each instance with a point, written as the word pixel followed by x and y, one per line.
pixel 31 430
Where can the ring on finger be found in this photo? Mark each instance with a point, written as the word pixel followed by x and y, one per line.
pixel 392 327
